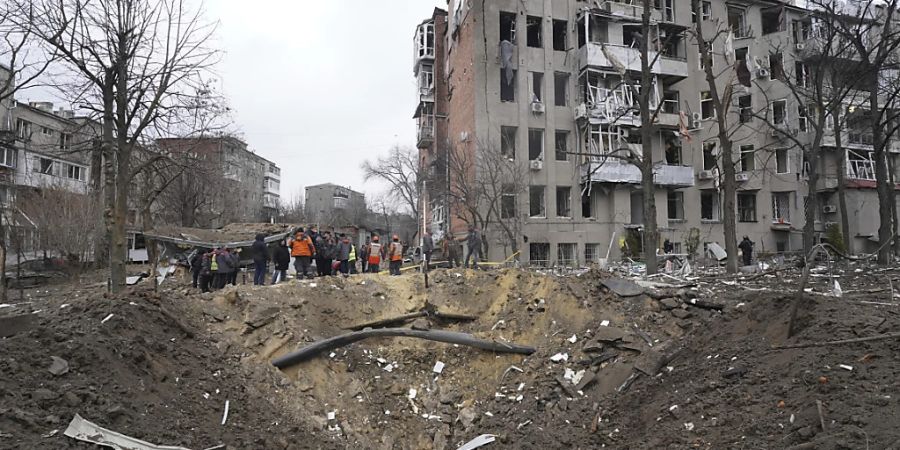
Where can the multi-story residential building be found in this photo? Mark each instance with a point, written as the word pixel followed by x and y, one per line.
pixel 551 83
pixel 332 205
pixel 246 185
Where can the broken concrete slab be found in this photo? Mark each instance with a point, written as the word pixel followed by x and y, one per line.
pixel 622 288
pixel 649 362
pixel 86 431
pixel 609 334
pixel 59 366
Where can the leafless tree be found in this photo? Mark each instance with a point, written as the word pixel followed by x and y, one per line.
pixel 134 62
pixel 65 221
pixel 292 210
pixel 400 169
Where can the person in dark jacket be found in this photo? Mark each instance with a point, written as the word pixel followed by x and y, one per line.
pixel 260 259
pixel 364 255
pixel 343 254
pixel 235 265
pixel 196 263
pixel 427 249
pixel 206 275
pixel 226 267
pixel 746 247
pixel 473 247
pixel 282 259
pixel 325 249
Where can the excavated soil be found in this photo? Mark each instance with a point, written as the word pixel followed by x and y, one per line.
pixel 648 371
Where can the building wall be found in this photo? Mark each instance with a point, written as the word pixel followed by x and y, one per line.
pixel 332 205
pixel 475 108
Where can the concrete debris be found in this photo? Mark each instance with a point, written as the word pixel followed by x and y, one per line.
pixel 10 326
pixel 59 366
pixel 560 357
pixel 622 287
pixel 479 441
pixel 438 367
pixel 86 431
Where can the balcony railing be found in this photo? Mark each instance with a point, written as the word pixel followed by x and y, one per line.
pixel 616 171
pixel 425 134
pixel 620 57
pixel 861 169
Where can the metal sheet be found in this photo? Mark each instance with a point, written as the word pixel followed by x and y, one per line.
pixel 83 430
pixel 623 288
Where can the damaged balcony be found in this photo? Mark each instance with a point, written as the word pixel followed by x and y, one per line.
pixel 423 44
pixel 620 58
pixel 614 170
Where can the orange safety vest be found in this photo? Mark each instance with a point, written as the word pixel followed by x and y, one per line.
pixel 396 251
pixel 301 247
pixel 374 253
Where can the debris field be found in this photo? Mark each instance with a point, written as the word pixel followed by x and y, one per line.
pixel 618 362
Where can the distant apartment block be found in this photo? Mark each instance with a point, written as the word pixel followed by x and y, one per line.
pixel 332 205
pixel 543 82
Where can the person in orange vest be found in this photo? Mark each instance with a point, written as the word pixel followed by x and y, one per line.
pixel 375 253
pixel 395 255
pixel 302 249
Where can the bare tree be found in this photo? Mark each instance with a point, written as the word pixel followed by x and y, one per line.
pixel 65 222
pixel 292 210
pixel 133 62
pixel 400 169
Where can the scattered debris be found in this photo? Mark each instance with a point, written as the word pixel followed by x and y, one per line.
pixel 86 431
pixel 59 366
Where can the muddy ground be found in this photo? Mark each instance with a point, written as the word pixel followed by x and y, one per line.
pixel 645 371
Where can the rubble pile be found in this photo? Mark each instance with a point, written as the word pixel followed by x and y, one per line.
pixel 618 361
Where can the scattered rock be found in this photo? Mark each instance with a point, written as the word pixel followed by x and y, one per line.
pixel 681 313
pixel 670 303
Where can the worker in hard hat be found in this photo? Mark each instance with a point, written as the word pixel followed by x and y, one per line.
pixel 395 255
pixel 375 253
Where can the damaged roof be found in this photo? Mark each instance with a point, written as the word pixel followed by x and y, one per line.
pixel 231 235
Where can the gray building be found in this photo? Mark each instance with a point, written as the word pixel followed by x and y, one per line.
pixel 332 205
pixel 542 81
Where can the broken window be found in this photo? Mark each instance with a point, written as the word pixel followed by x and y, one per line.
pixel 782 160
pixel 712 53
pixel 566 255
pixel 563 201
pixel 539 253
pixel 779 112
pixel 746 206
pixel 631 36
pixel 23 128
pixel 75 172
pixel 740 66
pixel 772 20
pixel 705 11
pixel 8 157
pixel 801 74
pixel 537 84
pixel 668 7
pixel 507 86
pixel 709 155
pixel 591 252
pixel 559 35
pixel 46 131
pixel 673 149
pixel 44 166
pixel 536 201
pixel 737 21
pixel 535 144
pixel 802 118
pixel 426 79
pixel 508 142
pixel 707 109
pixel 748 158
pixel 562 145
pixel 670 102
pixel 709 205
pixel 675 205
pixel 65 141
pixel 776 66
pixel 560 88
pixel 507 26
pixel 533 28
pixel 745 108
pixel 671 43
pixel 800 29
pixel 586 205
pixel 781 207
pixel 508 202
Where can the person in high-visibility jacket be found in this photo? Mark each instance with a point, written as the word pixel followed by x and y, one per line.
pixel 302 249
pixel 395 254
pixel 376 251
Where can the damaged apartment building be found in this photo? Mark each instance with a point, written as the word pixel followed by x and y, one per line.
pixel 542 81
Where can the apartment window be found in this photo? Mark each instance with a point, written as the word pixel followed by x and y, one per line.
pixel 8 157
pixel 533 29
pixel 539 253
pixel 800 30
pixel 779 112
pixel 631 35
pixel 586 205
pixel 746 206
pixel 44 166
pixel 802 118
pixel 673 149
pixel 675 205
pixel 560 89
pixel 562 145
pixel 705 11
pixel 507 85
pixel 65 141
pixel 668 7
pixel 782 160
pixel 712 53
pixel 709 205
pixel 536 201
pixel 745 108
pixel 707 109
pixel 566 255
pixel 563 201
pixel 535 144
pixel 776 66
pixel 772 20
pixel 709 155
pixel 508 202
pixel 537 85
pixel 670 102
pixel 507 26
pixel 801 74
pixel 781 207
pixel 591 252
pixel 47 131
pixel 508 142
pixel 737 21
pixel 560 30
pixel 748 158
pixel 23 128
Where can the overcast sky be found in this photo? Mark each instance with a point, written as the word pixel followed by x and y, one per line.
pixel 318 87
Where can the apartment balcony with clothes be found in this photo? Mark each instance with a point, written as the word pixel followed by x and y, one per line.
pixel 423 44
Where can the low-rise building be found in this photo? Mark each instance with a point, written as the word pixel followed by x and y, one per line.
pixel 334 206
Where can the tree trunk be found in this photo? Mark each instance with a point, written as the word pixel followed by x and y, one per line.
pixel 812 203
pixel 885 225
pixel 650 236
pixel 842 180
pixel 3 287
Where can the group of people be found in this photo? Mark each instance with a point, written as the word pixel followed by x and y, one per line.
pixel 746 247
pixel 214 269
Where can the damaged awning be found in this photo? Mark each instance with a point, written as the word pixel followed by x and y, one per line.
pixel 213 244
pixel 236 235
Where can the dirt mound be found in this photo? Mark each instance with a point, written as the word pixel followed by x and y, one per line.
pixel 134 364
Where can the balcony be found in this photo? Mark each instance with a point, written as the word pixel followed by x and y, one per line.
pixel 861 169
pixel 628 10
pixel 616 171
pixel 423 45
pixel 617 57
pixel 425 133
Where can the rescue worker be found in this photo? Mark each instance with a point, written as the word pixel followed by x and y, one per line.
pixel 282 259
pixel 235 256
pixel 427 248
pixel 351 260
pixel 302 249
pixel 746 247
pixel 214 269
pixel 395 255
pixel 224 262
pixel 376 251
pixel 260 259
pixel 325 248
pixel 343 254
pixel 364 255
